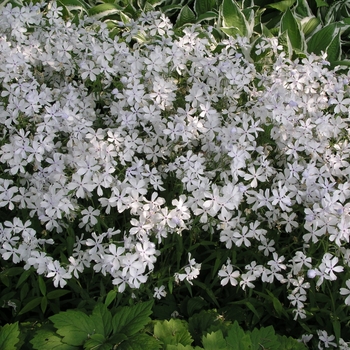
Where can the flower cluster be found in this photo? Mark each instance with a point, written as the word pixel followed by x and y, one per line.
pixel 135 139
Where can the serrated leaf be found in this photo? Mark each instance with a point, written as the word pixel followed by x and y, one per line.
pixel 57 293
pixel 234 21
pixel 214 341
pixel 282 5
pixel 289 24
pixel 180 347
pixel 288 343
pixel 98 342
pixel 102 319
pixel 186 16
pixel 74 326
pixel 264 338
pixel 45 339
pixel 30 306
pixel 131 319
pixel 172 332
pixel 203 6
pixel 140 342
pixel 237 339
pixel 9 336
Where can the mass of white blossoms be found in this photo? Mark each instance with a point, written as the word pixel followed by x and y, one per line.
pixel 171 133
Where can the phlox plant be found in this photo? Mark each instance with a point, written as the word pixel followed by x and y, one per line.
pixel 172 165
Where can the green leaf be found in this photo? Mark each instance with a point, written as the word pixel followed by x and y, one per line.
pixel 334 49
pixel 234 21
pixel 42 285
pixel 46 339
pixel 207 16
pixel 310 26
pixel 110 297
pixel 43 304
pixel 321 39
pixel 214 341
pixel 172 332
pixel 24 276
pixel 186 16
pixel 282 5
pixel 277 305
pixel 264 338
pixel 131 319
pixel 289 24
pixel 140 342
pixel 9 336
pixel 104 10
pixel 74 326
pixel 74 5
pixel 24 291
pixel 102 319
pixel 203 6
pixel 30 306
pixel 237 339
pixel 320 3
pixel 290 343
pixel 98 342
pixel 57 293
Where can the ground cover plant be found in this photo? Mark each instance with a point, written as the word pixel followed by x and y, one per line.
pixel 194 172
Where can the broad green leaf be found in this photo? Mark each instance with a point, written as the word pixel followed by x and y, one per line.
pixel 97 341
pixel 207 16
pixel 31 305
pixel 180 347
pixel 75 5
pixel 54 294
pixel 264 338
pixel 320 3
pixel 172 332
pixel 321 39
pixel 140 342
pixel 214 341
pixel 131 319
pixel 102 319
pixel 334 49
pixel 282 5
pixel 203 6
pixel 234 21
pixel 288 343
pixel 186 16
pixel 310 25
pixel 104 10
pixel 302 9
pixel 45 339
pixel 9 336
pixel 289 24
pixel 74 326
pixel 237 339
pixel 14 271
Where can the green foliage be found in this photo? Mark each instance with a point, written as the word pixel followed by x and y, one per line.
pixel 74 329
pixel 9 336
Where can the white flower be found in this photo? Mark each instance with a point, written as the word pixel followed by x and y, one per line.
pixel 159 292
pixel 346 291
pixel 228 275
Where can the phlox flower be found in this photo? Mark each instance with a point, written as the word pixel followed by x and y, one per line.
pixel 160 292
pixel 228 274
pixel 58 273
pixel 346 292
